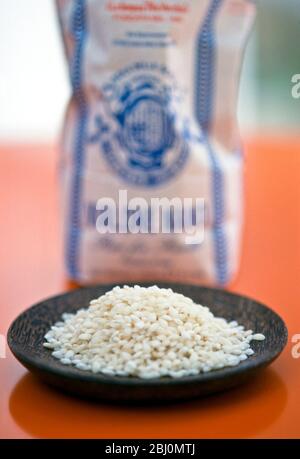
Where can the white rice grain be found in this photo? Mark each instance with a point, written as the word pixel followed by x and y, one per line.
pixel 148 333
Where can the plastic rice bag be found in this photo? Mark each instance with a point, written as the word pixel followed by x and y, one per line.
pixel 153 116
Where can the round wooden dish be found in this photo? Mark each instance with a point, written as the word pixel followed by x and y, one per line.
pixel 26 337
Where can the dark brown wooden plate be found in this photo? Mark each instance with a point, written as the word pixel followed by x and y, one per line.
pixel 26 337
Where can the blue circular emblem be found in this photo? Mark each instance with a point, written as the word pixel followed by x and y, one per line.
pixel 139 138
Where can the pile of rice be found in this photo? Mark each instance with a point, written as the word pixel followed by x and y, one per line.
pixel 148 332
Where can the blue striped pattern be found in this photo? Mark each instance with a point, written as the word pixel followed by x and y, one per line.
pixel 204 90
pixel 79 33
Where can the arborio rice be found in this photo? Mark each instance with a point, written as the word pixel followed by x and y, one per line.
pixel 148 332
pixel 152 112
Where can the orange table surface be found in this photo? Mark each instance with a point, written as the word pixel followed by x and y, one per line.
pixel 31 269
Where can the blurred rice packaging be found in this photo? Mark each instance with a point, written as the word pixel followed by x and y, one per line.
pixel 152 115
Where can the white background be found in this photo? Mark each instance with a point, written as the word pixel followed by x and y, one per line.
pixel 34 86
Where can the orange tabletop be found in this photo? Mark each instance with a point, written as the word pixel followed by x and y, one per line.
pixel 31 269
